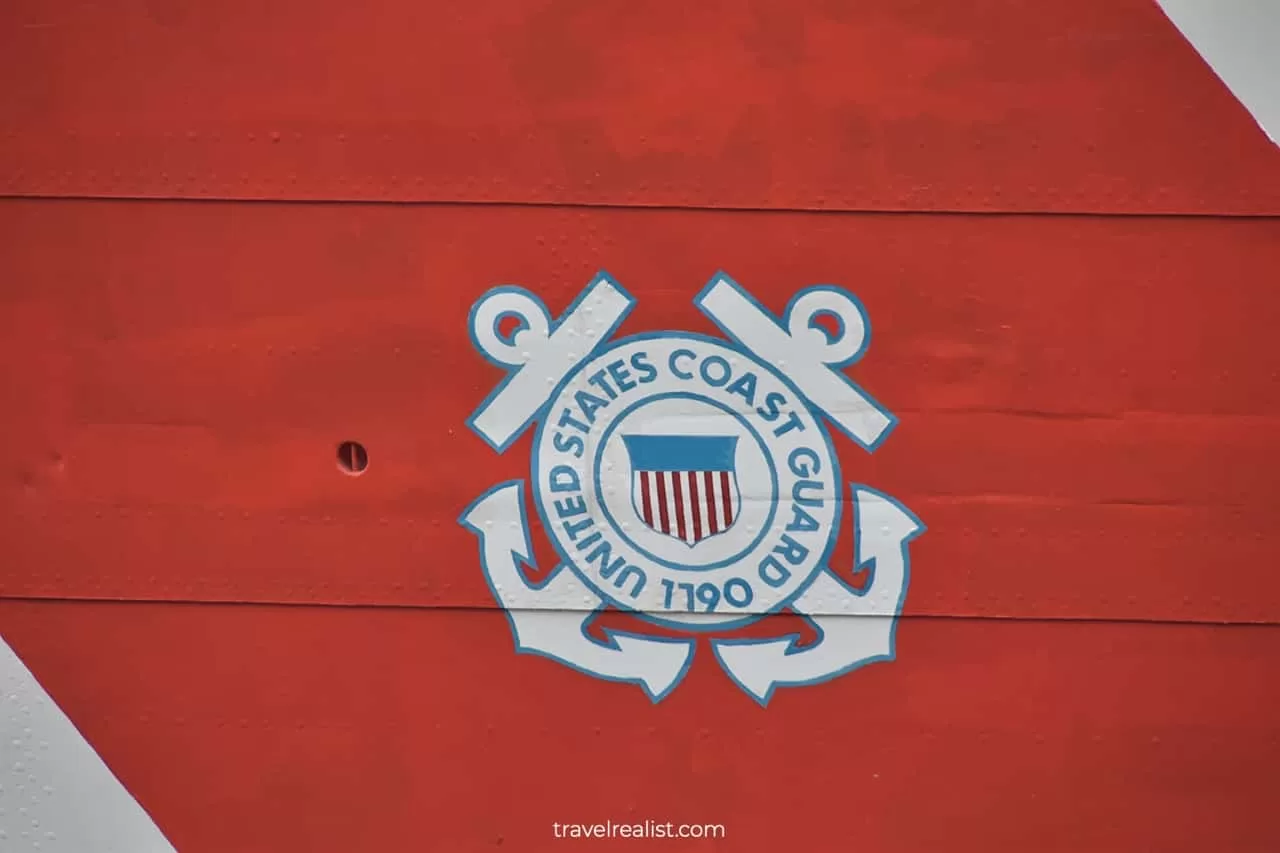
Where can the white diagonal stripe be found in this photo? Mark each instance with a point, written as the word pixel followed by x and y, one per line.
pixel 1238 40
pixel 72 800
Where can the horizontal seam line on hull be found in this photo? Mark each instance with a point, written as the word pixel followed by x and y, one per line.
pixel 710 208
pixel 335 605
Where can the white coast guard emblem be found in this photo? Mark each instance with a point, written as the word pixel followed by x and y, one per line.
pixel 687 479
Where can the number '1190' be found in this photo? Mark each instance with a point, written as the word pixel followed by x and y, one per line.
pixel 737 592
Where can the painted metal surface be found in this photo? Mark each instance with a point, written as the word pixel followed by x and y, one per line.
pixel 1061 225
pixel 1237 38
pixel 1065 105
pixel 306 728
pixel 57 792
pixel 1068 386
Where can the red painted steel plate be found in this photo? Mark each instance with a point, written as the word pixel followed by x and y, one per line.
pixel 261 729
pixel 1089 406
pixel 1063 105
pixel 1063 229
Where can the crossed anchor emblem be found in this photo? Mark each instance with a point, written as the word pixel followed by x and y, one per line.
pixel 688 480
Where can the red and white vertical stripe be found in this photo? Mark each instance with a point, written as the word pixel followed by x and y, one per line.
pixel 689 505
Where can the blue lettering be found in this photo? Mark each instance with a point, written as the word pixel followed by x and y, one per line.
pixel 745 387
pixel 567 419
pixel 568 444
pixel 574 528
pixel 589 403
pixel 564 479
pixel 648 373
pixel 797 492
pixel 672 363
pixel 799 467
pixel 738 592
pixel 771 408
pixel 719 363
pixel 792 422
pixel 772 572
pixel 571 506
pixel 621 376
pixel 603 552
pixel 631 572
pixel 801 521
pixel 791 550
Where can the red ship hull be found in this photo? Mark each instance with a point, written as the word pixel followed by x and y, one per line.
pixel 233 238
